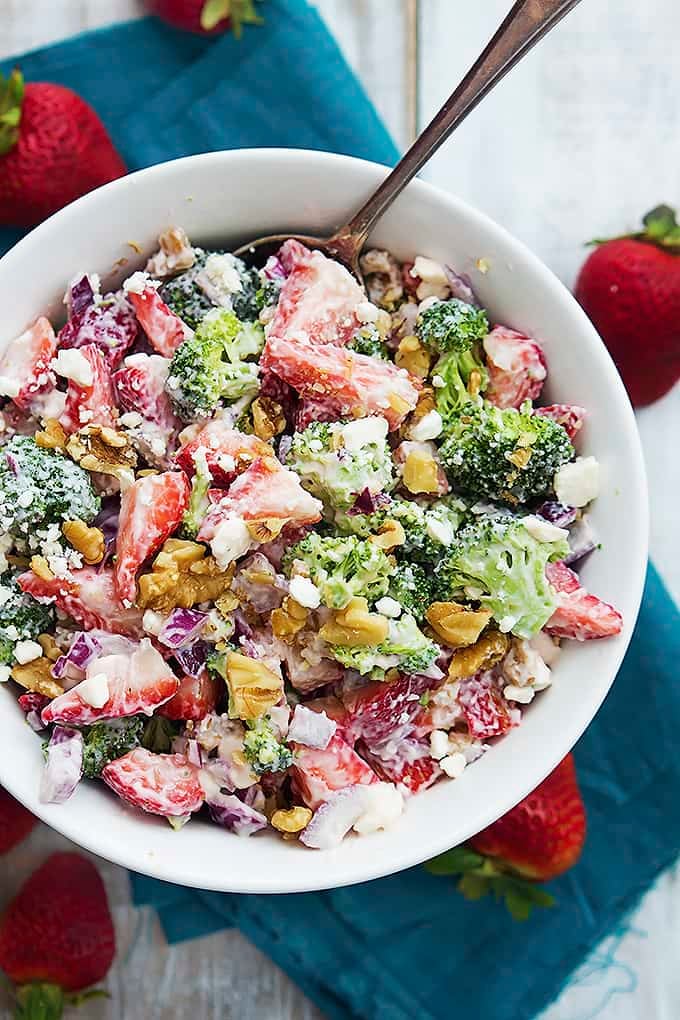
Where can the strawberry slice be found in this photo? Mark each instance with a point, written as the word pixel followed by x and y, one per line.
pixel 195 697
pixel 140 387
pixel 378 710
pixel 228 452
pixel 25 364
pixel 516 365
pixel 410 766
pixel 150 510
pixel 138 680
pixel 351 385
pixel 485 711
pixel 162 784
pixel 570 416
pixel 318 299
pixel 89 597
pixel 165 330
pixel 265 491
pixel 579 615
pixel 94 403
pixel 110 324
pixel 318 773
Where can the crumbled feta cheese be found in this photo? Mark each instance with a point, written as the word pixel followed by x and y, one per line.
pixel 9 387
pixel 388 607
pixel 26 498
pixel 429 427
pixel 72 364
pixel 547 648
pixel 439 744
pixel 522 695
pixel 153 622
pixel 138 283
pixel 383 804
pixel 230 541
pixel 5 674
pixel 578 482
pixel 219 279
pixel 131 419
pixel 225 461
pixel 523 666
pixel 542 530
pixel 27 651
pixel 427 303
pixel 438 382
pixel 439 531
pixel 366 311
pixel 429 271
pixel 94 690
pixel 315 445
pixel 363 432
pixel 305 592
pixel 453 765
pixel 505 624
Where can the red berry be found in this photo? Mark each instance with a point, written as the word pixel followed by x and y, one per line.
pixel 162 784
pixel 207 17
pixel 579 615
pixel 89 597
pixel 164 330
pixel 15 822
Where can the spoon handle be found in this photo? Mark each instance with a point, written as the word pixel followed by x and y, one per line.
pixel 526 23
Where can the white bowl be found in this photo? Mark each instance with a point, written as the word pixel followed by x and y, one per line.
pixel 228 197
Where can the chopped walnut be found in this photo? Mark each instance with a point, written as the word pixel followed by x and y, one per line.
pixel 41 569
pixel 268 418
pixel 520 457
pixel 253 687
pixel 266 529
pixel 354 626
pixel 412 356
pixel 383 278
pixel 175 254
pixel 389 535
pixel 456 625
pixel 88 541
pixel 100 449
pixel 37 676
pixel 295 819
pixel 227 603
pixel 52 436
pixel 288 619
pixel 421 472
pixel 182 575
pixel 49 646
pixel 489 650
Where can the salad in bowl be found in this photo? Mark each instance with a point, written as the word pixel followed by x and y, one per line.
pixel 279 549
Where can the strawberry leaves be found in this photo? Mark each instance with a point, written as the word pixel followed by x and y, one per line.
pixel 480 876
pixel 660 228
pixel 239 12
pixel 11 97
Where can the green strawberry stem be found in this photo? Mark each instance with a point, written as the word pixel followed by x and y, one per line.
pixel 46 1001
pixel 239 12
pixel 660 228
pixel 11 97
pixel 481 876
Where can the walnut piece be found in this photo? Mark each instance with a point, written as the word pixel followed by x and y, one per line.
pixel 420 473
pixel 253 687
pixel 182 575
pixel 37 676
pixel 52 436
pixel 456 625
pixel 426 403
pixel 354 626
pixel 102 449
pixel 266 529
pixel 268 418
pixel 295 819
pixel 41 569
pixel 50 647
pixel 389 535
pixel 412 356
pixel 489 650
pixel 175 254
pixel 88 541
pixel 288 619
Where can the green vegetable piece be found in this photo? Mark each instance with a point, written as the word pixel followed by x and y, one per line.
pixel 342 568
pixel 406 649
pixel 22 618
pixel 262 748
pixel 104 742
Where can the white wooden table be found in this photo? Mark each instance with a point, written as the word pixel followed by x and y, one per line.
pixel 581 140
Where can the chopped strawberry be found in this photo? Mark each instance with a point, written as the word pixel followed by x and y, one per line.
pixel 408 763
pixel 266 490
pixel 318 773
pixel 579 615
pixel 89 597
pixel 138 680
pixel 570 416
pixel 377 710
pixel 196 696
pixel 162 784
pixel 150 510
pixel 516 365
pixel 228 452
pixel 485 711
pixel 110 324
pixel 140 385
pixel 25 364
pixel 94 403
pixel 164 330
pixel 317 301
pixel 352 385
pixel 312 409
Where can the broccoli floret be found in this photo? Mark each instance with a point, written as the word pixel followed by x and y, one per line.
pixel 497 562
pixel 337 461
pixel 459 378
pixel 428 530
pixel 368 340
pixel 198 500
pixel 263 750
pixel 185 297
pixel 451 326
pixel 158 734
pixel 209 367
pixel 268 294
pixel 342 567
pixel 412 586
pixel 406 649
pixel 39 487
pixel 106 741
pixel 22 618
pixel 503 454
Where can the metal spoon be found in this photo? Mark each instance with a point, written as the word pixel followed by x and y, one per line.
pixel 527 22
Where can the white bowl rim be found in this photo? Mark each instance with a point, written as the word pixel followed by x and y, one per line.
pixel 104 844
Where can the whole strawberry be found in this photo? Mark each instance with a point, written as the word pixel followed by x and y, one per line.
pixel 15 822
pixel 208 17
pixel 630 288
pixel 537 840
pixel 56 936
pixel 53 149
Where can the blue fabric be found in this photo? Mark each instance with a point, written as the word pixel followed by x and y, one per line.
pixel 406 946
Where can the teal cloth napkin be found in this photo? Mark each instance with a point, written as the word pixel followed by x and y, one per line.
pixel 408 946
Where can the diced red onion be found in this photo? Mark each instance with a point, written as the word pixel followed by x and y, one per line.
pixel 80 296
pixel 557 513
pixel 333 820
pixel 313 729
pixel 192 658
pixel 193 753
pixel 273 269
pixel 582 540
pixel 230 812
pixel 64 765
pixel 12 464
pixel 368 502
pixel 461 286
pixel 182 627
pixel 84 648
